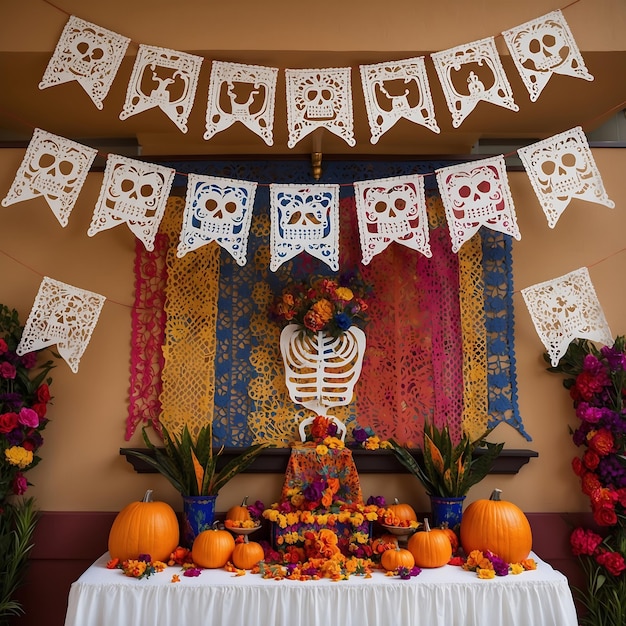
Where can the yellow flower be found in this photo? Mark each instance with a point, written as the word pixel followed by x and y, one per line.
pixel 516 568
pixel 385 445
pixel 372 443
pixel 321 449
pixel 334 443
pixel 16 455
pixel 324 309
pixel 486 573
pixel 343 293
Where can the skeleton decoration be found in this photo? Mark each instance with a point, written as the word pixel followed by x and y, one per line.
pixel 61 315
pixel 392 209
pixel 133 192
pixel 566 308
pixel 88 54
pixel 543 47
pixel 241 93
pixel 560 168
pixel 217 209
pixel 52 167
pixel 304 218
pixel 163 78
pixel 471 73
pixel 395 90
pixel 477 194
pixel 321 370
pixel 319 99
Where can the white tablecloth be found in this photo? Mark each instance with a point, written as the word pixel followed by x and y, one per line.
pixel 447 596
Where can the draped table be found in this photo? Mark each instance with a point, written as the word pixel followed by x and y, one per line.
pixel 446 596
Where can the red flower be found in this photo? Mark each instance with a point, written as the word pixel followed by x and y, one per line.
pixel 612 561
pixel 605 515
pixel 591 459
pixel 584 541
pixel 590 482
pixel 602 442
pixel 40 409
pixel 8 421
pixel 43 393
pixel 577 466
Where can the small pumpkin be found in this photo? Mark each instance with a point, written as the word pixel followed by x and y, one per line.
pixel 144 527
pixel 247 554
pixel 396 557
pixel 240 512
pixel 498 526
pixel 212 548
pixel 430 547
pixel 403 511
pixel 452 536
pixel 382 543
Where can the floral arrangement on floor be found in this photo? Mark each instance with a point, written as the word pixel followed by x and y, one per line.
pixel 488 565
pixel 596 380
pixel 24 398
pixel 323 304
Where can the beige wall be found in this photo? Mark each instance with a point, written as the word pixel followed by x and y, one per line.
pixel 81 468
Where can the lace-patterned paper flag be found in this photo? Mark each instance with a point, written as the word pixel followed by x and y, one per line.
pixel 88 54
pixel 241 93
pixel 471 73
pixel 163 78
pixel 543 47
pixel 566 308
pixel 52 167
pixel 319 99
pixel 61 315
pixel 133 192
pixel 560 168
pixel 394 90
pixel 392 209
pixel 477 194
pixel 217 209
pixel 304 218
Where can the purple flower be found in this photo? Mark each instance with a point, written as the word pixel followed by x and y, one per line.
pixel 192 572
pixel 314 491
pixel 146 558
pixel 378 501
pixel 360 435
pixel 615 358
pixel 500 567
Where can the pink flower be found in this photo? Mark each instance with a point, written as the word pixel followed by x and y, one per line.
pixel 3 346
pixel 20 484
pixel 7 370
pixel 28 417
pixel 29 360
pixel 584 541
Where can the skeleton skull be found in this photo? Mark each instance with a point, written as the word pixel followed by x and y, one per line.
pixel 391 211
pixel 218 211
pixel 303 217
pixel 545 48
pixel 563 172
pixel 477 194
pixel 133 194
pixel 318 102
pixel 85 50
pixel 54 168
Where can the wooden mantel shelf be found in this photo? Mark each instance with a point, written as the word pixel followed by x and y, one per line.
pixel 274 461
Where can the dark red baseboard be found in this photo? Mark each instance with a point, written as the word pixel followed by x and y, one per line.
pixel 66 543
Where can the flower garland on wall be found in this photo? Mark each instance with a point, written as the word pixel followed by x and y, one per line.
pixel 596 380
pixel 24 396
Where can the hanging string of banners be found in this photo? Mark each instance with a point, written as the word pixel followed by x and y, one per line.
pixel 304 217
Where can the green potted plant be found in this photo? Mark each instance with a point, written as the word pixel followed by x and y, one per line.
pixel 447 470
pixel 193 469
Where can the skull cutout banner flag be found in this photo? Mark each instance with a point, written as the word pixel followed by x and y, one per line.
pixel 133 192
pixel 52 167
pixel 472 73
pixel 304 218
pixel 163 78
pixel 319 99
pixel 392 209
pixel 90 55
pixel 566 308
pixel 560 168
pixel 61 315
pixel 241 93
pixel 217 209
pixel 543 47
pixel 397 90
pixel 477 194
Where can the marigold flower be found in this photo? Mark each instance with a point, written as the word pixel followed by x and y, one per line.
pixel 486 573
pixel 19 456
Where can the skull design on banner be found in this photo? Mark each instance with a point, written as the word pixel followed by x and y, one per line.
pixel 55 168
pixel 392 209
pixel 88 54
pixel 543 47
pixel 133 192
pixel 477 194
pixel 560 168
pixel 304 218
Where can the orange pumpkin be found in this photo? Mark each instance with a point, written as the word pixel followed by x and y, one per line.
pixel 212 548
pixel 239 513
pixel 247 554
pixel 498 526
pixel 380 544
pixel 430 548
pixel 144 527
pixel 452 536
pixel 404 512
pixel 396 557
